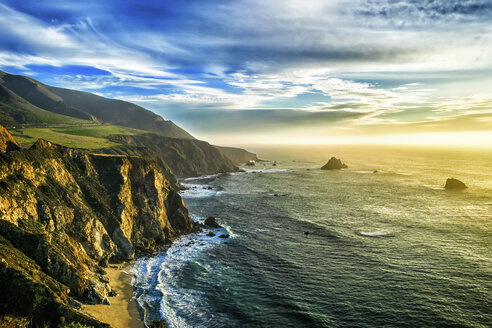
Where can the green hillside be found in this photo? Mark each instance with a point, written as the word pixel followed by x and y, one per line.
pixel 88 137
pixel 15 111
pixel 26 101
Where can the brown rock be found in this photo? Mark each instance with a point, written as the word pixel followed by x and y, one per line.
pixel 334 164
pixel 452 183
pixel 7 142
pixel 210 221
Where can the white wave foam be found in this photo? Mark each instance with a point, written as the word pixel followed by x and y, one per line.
pixel 156 277
pixel 435 187
pixel 197 191
pixel 373 234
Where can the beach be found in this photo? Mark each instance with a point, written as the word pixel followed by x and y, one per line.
pixel 123 311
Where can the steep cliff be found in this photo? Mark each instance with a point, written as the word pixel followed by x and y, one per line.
pixel 184 157
pixel 237 155
pixel 64 214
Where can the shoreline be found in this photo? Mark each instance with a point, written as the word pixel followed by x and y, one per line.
pixel 123 310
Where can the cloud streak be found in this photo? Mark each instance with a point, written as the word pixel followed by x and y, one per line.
pixel 361 63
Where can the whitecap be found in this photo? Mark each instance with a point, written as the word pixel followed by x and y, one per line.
pixel 373 234
pixel 197 191
pixel 155 277
pixel 435 187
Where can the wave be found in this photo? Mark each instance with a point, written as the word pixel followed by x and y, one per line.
pixel 435 187
pixel 373 234
pixel 156 279
pixel 197 191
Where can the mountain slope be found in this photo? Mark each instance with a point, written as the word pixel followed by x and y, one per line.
pixel 15 111
pixel 78 105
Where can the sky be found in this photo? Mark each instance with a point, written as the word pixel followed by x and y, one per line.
pixel 267 72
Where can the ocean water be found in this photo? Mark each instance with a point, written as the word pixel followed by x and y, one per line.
pixel 385 249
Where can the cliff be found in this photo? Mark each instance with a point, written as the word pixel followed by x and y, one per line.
pixel 64 214
pixel 183 157
pixel 237 155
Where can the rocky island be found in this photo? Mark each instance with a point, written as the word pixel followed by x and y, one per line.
pixel 334 164
pixel 452 183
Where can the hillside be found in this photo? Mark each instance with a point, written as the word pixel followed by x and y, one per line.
pixel 36 98
pixel 237 155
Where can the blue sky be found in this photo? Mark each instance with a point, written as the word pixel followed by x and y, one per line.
pixel 316 70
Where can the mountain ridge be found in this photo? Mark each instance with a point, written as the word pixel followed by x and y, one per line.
pixel 85 106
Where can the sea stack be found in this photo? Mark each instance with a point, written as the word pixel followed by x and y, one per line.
pixel 334 164
pixel 452 183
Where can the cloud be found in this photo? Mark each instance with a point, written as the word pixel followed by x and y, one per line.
pixel 357 63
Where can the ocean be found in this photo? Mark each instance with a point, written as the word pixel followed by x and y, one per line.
pixel 380 244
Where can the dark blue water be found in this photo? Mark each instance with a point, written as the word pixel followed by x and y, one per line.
pixel 386 249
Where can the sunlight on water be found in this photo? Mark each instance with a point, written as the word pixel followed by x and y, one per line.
pixel 380 243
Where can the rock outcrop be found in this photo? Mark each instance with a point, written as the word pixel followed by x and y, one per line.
pixel 210 222
pixel 7 142
pixel 452 183
pixel 334 164
pixel 64 214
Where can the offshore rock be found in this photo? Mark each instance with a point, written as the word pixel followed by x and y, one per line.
pixel 452 183
pixel 210 221
pixel 65 212
pixel 334 164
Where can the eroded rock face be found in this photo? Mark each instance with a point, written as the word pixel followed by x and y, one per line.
pixel 70 212
pixel 334 164
pixel 7 142
pixel 452 183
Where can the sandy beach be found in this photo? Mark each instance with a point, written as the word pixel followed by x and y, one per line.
pixel 123 311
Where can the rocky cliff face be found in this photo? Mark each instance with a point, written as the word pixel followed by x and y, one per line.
pixel 183 157
pixel 237 155
pixel 64 214
pixel 7 142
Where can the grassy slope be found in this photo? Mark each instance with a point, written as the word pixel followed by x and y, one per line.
pixel 15 111
pixel 87 137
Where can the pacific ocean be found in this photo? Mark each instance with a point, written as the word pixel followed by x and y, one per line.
pixel 378 244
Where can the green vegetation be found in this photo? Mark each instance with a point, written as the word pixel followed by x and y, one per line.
pixel 87 137
pixel 158 324
pixel 14 322
pixel 25 102
pixel 21 322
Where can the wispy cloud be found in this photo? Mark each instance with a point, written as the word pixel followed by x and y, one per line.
pixel 360 63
